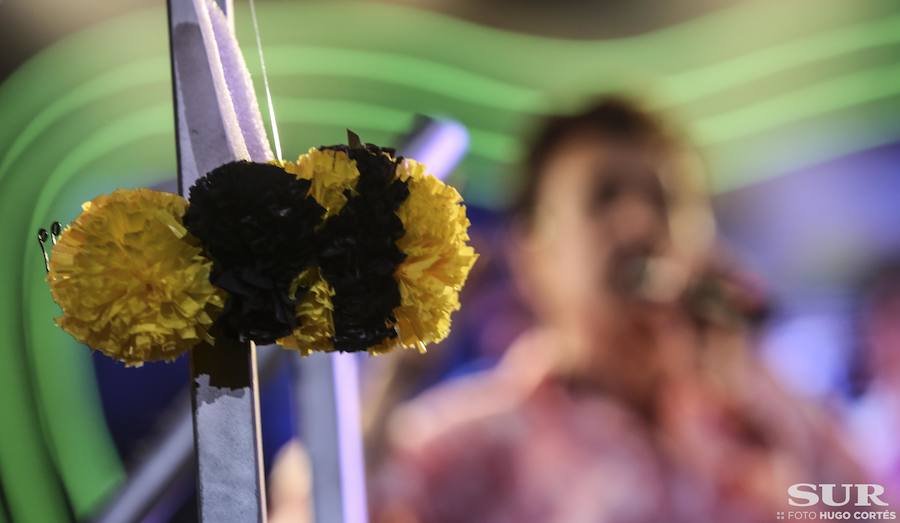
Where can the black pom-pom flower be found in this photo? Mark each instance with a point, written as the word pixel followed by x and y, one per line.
pixel 358 252
pixel 256 222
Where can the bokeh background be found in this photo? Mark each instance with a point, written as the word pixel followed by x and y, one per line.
pixel 795 106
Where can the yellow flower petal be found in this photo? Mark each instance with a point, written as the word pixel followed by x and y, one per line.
pixel 130 280
pixel 332 173
pixel 438 257
pixel 314 313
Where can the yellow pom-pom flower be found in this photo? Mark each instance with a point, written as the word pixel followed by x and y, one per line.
pixel 438 257
pixel 435 245
pixel 131 281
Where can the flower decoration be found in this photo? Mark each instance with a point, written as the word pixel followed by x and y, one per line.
pixel 350 248
pixel 130 279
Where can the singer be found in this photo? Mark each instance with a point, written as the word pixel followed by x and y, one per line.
pixel 629 399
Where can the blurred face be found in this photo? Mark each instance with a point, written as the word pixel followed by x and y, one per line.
pixel 600 214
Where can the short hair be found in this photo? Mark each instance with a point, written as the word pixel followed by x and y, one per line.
pixel 614 118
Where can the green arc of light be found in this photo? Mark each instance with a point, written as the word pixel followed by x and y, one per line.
pixel 131 75
pixel 435 77
pixel 827 96
pixel 155 70
pixel 695 84
pixel 403 70
pixel 135 126
pixel 844 91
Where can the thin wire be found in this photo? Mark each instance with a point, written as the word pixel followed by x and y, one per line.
pixel 55 231
pixel 265 75
pixel 42 238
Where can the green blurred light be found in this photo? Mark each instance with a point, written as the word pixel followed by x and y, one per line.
pixel 394 68
pixel 369 66
pixel 94 90
pixel 706 81
pixel 836 93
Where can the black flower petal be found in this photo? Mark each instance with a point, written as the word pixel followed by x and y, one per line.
pixel 256 222
pixel 358 254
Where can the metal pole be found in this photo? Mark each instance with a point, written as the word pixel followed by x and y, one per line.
pixel 224 385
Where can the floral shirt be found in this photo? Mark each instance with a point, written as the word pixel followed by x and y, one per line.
pixel 517 445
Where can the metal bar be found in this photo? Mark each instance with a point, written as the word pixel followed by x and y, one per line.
pixel 437 142
pixel 224 385
pixel 169 461
pixel 317 406
pixel 224 397
pixel 328 400
pixel 345 373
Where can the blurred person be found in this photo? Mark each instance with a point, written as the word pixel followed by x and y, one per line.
pixel 290 486
pixel 635 397
pixel 874 415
